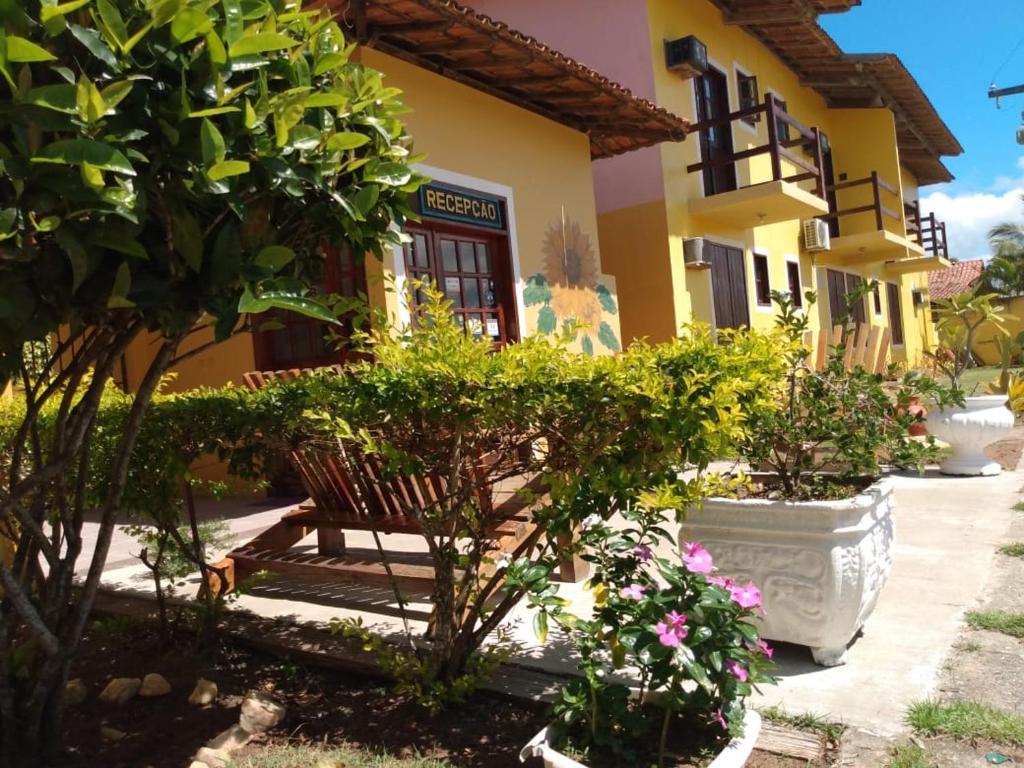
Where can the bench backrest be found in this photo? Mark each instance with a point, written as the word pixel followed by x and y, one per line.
pixel 868 347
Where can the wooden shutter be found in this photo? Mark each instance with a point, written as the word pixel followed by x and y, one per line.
pixel 856 309
pixel 729 287
pixel 895 313
pixel 836 295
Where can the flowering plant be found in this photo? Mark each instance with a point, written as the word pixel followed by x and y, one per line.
pixel 683 634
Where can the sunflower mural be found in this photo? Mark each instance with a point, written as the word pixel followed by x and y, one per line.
pixel 568 290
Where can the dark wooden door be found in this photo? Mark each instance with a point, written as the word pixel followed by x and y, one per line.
pixel 472 271
pixel 716 146
pixel 895 312
pixel 729 286
pixel 830 180
pixel 840 286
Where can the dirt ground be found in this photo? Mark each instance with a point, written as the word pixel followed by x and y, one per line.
pixel 323 707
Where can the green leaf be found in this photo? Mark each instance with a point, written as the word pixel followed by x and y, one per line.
pixel 275 257
pixel 60 98
pixel 546 320
pixel 163 11
pixel 210 112
pixel 328 62
pixel 48 223
pixel 607 300
pixel 20 50
pixel 89 101
pixel 366 198
pixel 607 336
pixel 77 255
pixel 540 626
pixel 389 174
pixel 92 176
pixel 232 20
pixel 78 151
pixel 188 239
pixel 211 143
pixel 113 20
pixel 120 242
pixel 536 291
pixel 122 285
pixel 289 302
pixel 250 115
pixel 91 39
pixel 48 12
pixel 261 42
pixel 190 23
pixel 304 137
pixel 226 168
pixel 215 47
pixel 340 142
pixel 135 39
pixel 115 93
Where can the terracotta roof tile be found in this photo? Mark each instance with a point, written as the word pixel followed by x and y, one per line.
pixel 446 37
pixel 959 277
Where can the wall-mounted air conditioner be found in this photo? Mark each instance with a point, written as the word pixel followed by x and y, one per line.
pixel 816 236
pixel 917 296
pixel 694 254
pixel 686 56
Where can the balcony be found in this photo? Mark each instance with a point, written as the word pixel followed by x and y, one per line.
pixel 927 234
pixel 867 214
pixel 774 193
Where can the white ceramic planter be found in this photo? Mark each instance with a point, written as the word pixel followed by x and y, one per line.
pixel 735 754
pixel 820 565
pixel 967 430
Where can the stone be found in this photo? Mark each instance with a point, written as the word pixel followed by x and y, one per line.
pixel 120 689
pixel 154 684
pixel 214 758
pixel 204 693
pixel 260 714
pixel 111 734
pixel 75 692
pixel 233 738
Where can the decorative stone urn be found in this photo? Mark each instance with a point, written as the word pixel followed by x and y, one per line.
pixel 981 422
pixel 820 565
pixel 735 754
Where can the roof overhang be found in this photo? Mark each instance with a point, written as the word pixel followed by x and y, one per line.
pixel 790 29
pixel 457 42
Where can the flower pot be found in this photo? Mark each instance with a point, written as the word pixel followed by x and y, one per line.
pixel 821 565
pixel 967 430
pixel 918 428
pixel 734 755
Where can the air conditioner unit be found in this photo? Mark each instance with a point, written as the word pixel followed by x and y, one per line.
pixel 686 56
pixel 917 296
pixel 817 236
pixel 694 255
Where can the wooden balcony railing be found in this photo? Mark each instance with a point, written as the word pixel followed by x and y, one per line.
pixel 880 209
pixel 809 160
pixel 926 231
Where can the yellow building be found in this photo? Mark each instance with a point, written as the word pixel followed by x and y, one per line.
pixel 801 173
pixel 508 226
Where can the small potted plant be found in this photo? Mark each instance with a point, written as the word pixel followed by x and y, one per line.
pixel 977 421
pixel 668 656
pixel 814 526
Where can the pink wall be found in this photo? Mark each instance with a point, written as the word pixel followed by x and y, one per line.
pixel 613 38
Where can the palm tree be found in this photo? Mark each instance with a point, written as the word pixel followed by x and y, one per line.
pixel 1004 274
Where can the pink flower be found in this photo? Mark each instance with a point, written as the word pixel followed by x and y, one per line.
pixel 672 630
pixel 766 649
pixel 720 719
pixel 632 592
pixel 736 671
pixel 696 558
pixel 746 596
pixel 721 581
pixel 643 552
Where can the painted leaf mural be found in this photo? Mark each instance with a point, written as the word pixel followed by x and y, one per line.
pixel 569 290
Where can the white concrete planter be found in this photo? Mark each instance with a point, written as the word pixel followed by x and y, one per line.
pixel 967 430
pixel 820 565
pixel 735 754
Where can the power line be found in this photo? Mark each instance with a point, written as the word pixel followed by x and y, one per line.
pixel 1009 58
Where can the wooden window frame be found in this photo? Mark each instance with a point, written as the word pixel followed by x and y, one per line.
pixel 762 282
pixel 877 299
pixel 781 126
pixel 796 291
pixel 748 95
pixel 894 297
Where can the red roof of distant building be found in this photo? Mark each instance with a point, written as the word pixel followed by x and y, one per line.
pixel 958 278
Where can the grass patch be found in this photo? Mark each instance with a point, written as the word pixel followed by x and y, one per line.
pixel 810 722
pixel 966 720
pixel 320 756
pixel 909 756
pixel 967 646
pixel 1011 624
pixel 1018 507
pixel 1016 549
pixel 975 381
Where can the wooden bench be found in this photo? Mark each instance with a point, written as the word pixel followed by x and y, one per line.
pixel 866 347
pixel 383 503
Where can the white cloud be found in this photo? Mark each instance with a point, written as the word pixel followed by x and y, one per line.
pixel 970 215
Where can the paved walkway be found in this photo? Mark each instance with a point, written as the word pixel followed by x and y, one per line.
pixel 947 533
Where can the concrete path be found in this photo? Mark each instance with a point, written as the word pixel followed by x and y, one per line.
pixel 947 533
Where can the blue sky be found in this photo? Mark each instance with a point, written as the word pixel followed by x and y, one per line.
pixel 954 48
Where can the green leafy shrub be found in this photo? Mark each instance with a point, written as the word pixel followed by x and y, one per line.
pixel 833 428
pixel 687 634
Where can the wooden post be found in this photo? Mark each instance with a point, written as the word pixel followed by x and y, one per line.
pixel 820 186
pixel 572 569
pixel 771 110
pixel 330 542
pixel 877 190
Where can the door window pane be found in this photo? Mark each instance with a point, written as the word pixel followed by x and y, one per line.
pixel 420 249
pixel 481 257
pixel 466 260
pixel 471 289
pixel 448 260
